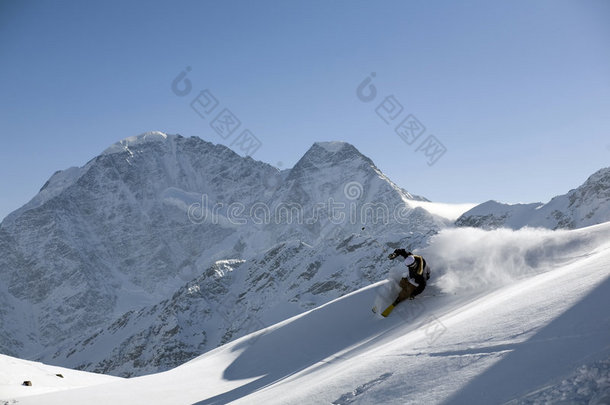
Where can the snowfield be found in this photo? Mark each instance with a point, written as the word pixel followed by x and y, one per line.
pixel 508 317
pixel 14 372
pixel 165 247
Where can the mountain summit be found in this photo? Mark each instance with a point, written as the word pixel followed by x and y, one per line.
pixel 165 247
pixel 133 141
pixel 158 216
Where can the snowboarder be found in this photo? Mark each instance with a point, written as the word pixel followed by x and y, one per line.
pixel 413 279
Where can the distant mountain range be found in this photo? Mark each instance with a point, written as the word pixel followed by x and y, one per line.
pixel 164 247
pixel 164 238
pixel 586 205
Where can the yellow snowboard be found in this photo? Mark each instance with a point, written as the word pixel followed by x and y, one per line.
pixel 387 311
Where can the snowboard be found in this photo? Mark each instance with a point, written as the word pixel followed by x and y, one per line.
pixel 386 294
pixel 385 312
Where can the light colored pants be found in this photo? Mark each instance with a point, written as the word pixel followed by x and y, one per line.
pixel 407 289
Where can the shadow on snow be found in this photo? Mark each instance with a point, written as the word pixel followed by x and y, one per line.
pixel 339 331
pixel 561 346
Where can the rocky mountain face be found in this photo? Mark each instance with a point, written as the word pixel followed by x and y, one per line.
pixel 586 205
pixel 164 247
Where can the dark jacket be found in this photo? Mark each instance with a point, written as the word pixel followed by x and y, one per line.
pixel 418 272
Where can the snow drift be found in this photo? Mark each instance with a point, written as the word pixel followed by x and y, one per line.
pixel 472 258
pixel 522 341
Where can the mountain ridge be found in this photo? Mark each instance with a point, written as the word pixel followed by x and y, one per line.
pixel 588 204
pixel 127 230
pixel 167 241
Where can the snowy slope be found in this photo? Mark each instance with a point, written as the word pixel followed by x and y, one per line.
pixel 535 325
pixel 95 270
pixel 586 205
pixel 44 378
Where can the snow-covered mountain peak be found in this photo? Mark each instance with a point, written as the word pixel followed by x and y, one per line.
pixel 333 146
pixel 166 246
pixel 324 155
pixel 602 175
pixel 132 141
pixel 597 186
pixel 585 205
pixel 333 152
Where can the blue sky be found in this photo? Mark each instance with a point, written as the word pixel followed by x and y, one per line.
pixel 516 92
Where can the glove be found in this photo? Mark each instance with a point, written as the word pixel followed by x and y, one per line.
pixel 392 256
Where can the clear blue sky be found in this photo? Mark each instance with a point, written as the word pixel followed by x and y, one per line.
pixel 518 92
